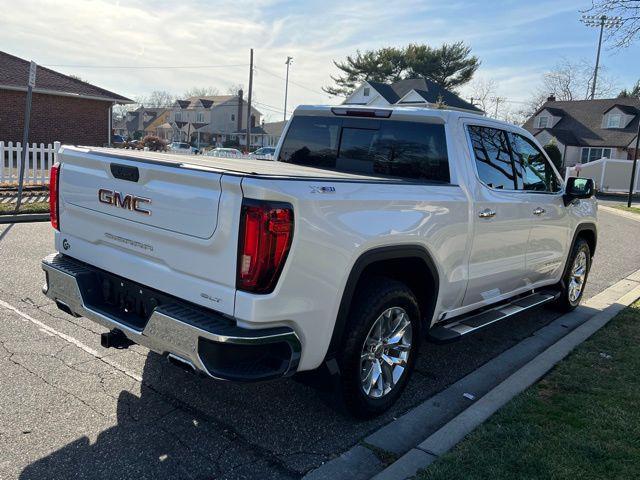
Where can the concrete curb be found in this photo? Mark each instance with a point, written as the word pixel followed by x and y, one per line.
pixel 24 217
pixel 621 213
pixel 453 432
pixel 403 436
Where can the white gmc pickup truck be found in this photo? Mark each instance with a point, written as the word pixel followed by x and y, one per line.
pixel 372 230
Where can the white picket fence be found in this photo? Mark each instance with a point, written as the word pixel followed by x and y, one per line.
pixel 609 175
pixel 38 161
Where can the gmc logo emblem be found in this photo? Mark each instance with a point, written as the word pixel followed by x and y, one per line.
pixel 128 201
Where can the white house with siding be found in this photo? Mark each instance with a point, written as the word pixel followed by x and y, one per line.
pixel 587 130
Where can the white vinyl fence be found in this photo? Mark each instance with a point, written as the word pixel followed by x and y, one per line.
pixel 38 161
pixel 610 176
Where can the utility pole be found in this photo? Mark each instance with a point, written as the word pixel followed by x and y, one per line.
pixel 635 166
pixel 603 22
pixel 286 86
pixel 249 101
pixel 497 100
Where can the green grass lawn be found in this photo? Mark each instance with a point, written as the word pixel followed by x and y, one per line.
pixel 582 421
pixel 37 207
pixel 627 209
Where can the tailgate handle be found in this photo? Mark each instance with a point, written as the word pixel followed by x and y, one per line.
pixel 125 172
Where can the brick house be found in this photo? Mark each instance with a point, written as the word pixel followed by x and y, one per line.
pixel 64 109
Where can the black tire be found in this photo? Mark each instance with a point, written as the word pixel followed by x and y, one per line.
pixel 373 298
pixel 565 303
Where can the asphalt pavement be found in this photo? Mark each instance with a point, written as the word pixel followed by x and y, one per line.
pixel 71 409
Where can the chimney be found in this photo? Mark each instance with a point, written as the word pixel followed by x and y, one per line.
pixel 239 115
pixel 551 98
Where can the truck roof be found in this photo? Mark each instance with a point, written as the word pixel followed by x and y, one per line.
pixel 442 115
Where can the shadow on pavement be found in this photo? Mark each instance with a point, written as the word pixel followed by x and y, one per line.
pixel 184 426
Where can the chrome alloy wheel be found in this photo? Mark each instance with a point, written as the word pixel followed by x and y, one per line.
pixel 385 352
pixel 578 276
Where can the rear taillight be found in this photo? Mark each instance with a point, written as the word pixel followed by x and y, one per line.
pixel 266 231
pixel 54 177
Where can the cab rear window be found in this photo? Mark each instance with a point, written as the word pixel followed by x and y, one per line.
pixel 386 148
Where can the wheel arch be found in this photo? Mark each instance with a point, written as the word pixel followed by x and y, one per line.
pixel 410 264
pixel 589 232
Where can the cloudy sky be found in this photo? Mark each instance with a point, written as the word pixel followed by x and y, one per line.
pixel 97 40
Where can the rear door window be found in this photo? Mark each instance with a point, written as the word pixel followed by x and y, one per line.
pixel 492 157
pixel 387 148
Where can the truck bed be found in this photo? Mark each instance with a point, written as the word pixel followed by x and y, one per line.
pixel 228 166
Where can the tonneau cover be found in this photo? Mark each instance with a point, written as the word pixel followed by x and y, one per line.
pixel 228 166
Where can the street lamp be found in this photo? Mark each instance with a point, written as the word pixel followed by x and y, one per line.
pixel 603 22
pixel 286 86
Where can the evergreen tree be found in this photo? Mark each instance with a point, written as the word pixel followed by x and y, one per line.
pixel 450 65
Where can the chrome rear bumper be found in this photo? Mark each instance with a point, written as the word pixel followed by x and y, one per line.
pixel 209 342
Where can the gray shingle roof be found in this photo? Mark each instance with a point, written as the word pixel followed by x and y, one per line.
pixel 431 92
pixel 583 118
pixel 14 73
pixel 386 91
pixel 565 137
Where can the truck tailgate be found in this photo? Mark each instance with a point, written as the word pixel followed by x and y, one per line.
pixel 152 223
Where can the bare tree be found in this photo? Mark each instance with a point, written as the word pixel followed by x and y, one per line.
pixel 201 92
pixel 233 89
pixel 570 80
pixel 120 111
pixel 627 10
pixel 483 93
pixel 157 99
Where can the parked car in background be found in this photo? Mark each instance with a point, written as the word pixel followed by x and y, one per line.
pixel 117 140
pixel 224 152
pixel 182 147
pixel 264 152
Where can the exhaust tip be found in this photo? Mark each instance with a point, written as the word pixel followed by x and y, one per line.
pixel 182 363
pixel 115 339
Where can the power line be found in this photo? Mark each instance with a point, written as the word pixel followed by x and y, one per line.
pixel 135 67
pixel 266 105
pixel 292 82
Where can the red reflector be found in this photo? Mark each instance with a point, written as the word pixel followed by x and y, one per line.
pixel 266 232
pixel 54 176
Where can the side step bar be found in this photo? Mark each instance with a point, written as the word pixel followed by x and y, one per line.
pixel 474 321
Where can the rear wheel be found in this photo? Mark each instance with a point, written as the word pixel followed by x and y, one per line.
pixel 575 276
pixel 380 346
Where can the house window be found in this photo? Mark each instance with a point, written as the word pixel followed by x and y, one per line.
pixel 200 118
pixel 178 117
pixel 593 154
pixel 614 120
pixel 543 122
pixel 366 91
pixel 233 117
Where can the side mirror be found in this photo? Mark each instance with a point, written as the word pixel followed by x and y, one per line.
pixel 577 188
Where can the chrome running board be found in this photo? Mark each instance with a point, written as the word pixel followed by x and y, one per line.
pixel 474 321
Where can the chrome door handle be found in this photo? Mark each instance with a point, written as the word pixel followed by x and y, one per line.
pixel 539 211
pixel 487 213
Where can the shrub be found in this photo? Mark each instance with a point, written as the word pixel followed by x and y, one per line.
pixel 154 143
pixel 554 154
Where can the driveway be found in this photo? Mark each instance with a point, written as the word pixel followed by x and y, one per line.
pixel 71 409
